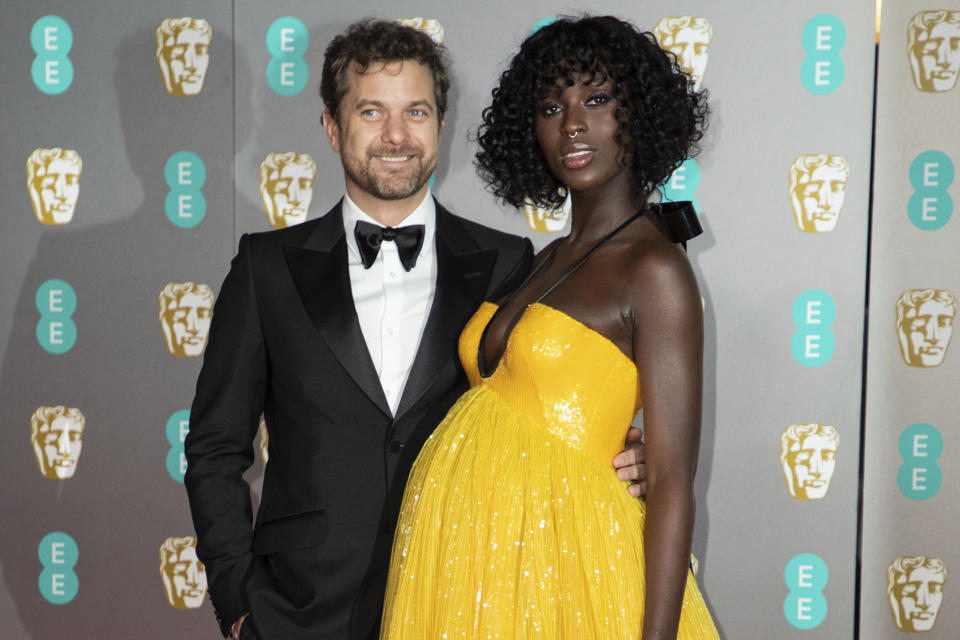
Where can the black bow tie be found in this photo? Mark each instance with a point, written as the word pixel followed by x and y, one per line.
pixel 409 240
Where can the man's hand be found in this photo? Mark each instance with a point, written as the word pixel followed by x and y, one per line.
pixel 629 463
pixel 235 629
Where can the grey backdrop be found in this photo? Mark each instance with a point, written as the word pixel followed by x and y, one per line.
pixel 752 263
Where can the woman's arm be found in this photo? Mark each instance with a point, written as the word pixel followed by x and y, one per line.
pixel 668 352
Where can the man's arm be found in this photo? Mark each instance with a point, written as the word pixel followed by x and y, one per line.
pixel 219 446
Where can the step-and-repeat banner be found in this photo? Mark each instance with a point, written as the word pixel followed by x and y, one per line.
pixel 139 140
pixel 911 502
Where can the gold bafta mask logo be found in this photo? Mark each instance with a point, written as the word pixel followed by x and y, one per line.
pixel 53 181
pixel 56 434
pixel 547 220
pixel 184 580
pixel 183 51
pixel 286 187
pixel 688 37
pixel 185 312
pixel 933 48
pixel 925 325
pixel 818 184
pixel 264 439
pixel 808 455
pixel 429 26
pixel 915 589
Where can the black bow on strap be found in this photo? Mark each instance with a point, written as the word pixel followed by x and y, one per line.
pixel 369 237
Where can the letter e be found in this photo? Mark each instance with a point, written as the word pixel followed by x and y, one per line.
pixel 56 553
pixel 821 73
pixel 286 74
pixel 678 179
pixel 823 37
pixel 931 174
pixel 184 173
pixel 929 206
pixel 812 343
pixel 804 608
pixel 920 445
pixel 51 71
pixel 805 576
pixel 56 301
pixel 286 39
pixel 919 478
pixel 56 584
pixel 184 202
pixel 56 333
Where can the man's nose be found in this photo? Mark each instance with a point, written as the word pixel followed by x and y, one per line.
pixel 293 192
pixel 190 58
pixel 923 598
pixel 191 321
pixel 193 573
pixel 932 332
pixel 60 187
pixel 394 130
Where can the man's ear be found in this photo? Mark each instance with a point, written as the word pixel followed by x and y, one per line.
pixel 332 130
pixel 443 121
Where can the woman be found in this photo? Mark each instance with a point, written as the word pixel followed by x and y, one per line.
pixel 513 523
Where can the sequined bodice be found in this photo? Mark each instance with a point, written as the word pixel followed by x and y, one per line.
pixel 562 374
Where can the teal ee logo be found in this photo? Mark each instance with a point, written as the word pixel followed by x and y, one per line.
pixel 813 343
pixel 541 23
pixel 52 70
pixel 178 425
pixel 287 41
pixel 683 183
pixel 823 37
pixel 930 206
pixel 56 301
pixel 185 174
pixel 58 554
pixel 920 447
pixel 806 575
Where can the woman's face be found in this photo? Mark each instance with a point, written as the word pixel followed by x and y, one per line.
pixel 577 129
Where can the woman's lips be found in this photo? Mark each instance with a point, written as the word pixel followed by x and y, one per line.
pixel 576 156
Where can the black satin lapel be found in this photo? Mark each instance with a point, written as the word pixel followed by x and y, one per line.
pixel 323 282
pixel 461 283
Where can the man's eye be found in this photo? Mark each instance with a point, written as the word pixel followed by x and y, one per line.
pixel 369 113
pixel 202 49
pixel 701 48
pixel 281 185
pixel 306 183
pixel 47 182
pixel 179 316
pixel 177 52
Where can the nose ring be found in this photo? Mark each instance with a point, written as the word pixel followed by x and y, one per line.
pixel 574 134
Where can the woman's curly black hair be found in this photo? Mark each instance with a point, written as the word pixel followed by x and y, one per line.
pixel 661 116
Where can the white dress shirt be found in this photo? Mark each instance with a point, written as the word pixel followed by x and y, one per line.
pixel 393 303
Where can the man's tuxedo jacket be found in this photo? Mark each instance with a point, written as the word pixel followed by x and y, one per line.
pixel 286 342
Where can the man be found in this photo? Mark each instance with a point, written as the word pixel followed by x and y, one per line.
pixel 183 53
pixel 286 187
pixel 933 47
pixel 808 455
pixel 56 434
pixel 915 590
pixel 185 310
pixel 344 335
pixel 53 181
pixel 925 325
pixel 818 185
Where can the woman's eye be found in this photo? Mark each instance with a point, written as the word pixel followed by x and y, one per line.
pixel 599 99
pixel 549 109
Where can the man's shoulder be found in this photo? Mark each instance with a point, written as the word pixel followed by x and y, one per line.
pixel 295 235
pixel 484 236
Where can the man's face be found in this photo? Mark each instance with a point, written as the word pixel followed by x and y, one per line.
pixel 288 194
pixel 57 447
pixel 818 198
pixel 188 323
pixel 692 48
pixel 927 329
pixel 936 56
pixel 55 192
pixel 187 56
pixel 184 579
pixel 919 599
pixel 812 462
pixel 387 132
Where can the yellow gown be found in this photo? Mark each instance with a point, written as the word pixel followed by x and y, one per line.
pixel 514 524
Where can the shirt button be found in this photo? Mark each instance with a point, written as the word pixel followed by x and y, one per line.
pixel 393 275
pixel 391 331
pixel 395 446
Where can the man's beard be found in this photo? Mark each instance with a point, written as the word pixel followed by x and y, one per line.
pixel 386 185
